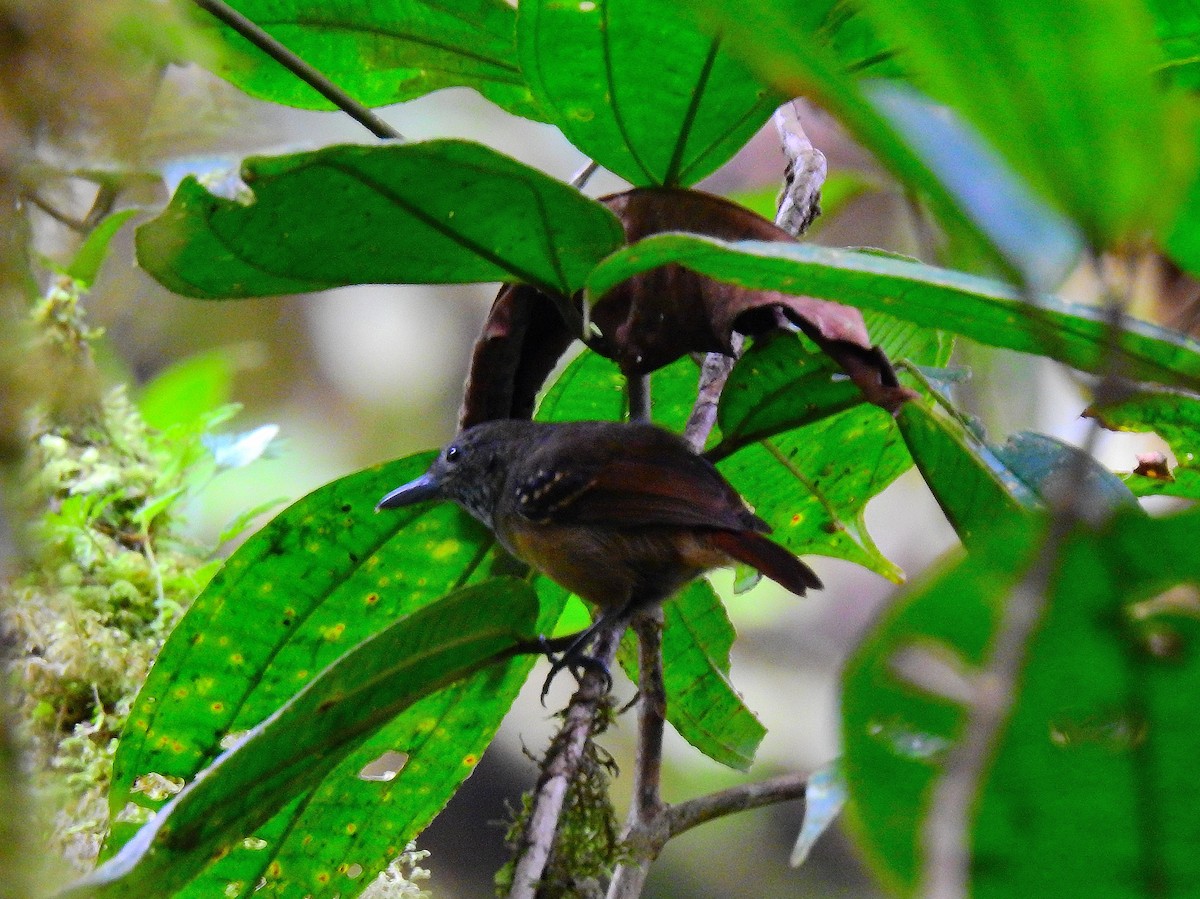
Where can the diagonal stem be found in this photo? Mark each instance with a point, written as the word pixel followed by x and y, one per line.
pixel 307 73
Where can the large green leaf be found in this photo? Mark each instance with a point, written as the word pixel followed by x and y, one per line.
pixel 639 88
pixel 441 212
pixel 976 491
pixel 702 703
pixel 1081 119
pixel 292 751
pixel 326 574
pixel 812 484
pixel 378 51
pixel 797 47
pixel 984 310
pixel 1100 733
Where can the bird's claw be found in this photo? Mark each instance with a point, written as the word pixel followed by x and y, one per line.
pixel 575 660
pixel 578 665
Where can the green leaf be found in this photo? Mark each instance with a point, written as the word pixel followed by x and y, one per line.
pixel 439 212
pixel 893 735
pixel 812 484
pixel 702 704
pixel 324 575
pixel 981 309
pixel 1082 120
pixel 366 823
pixel 91 255
pixel 185 392
pixel 809 422
pixel 380 52
pixel 1177 26
pixel 638 87
pixel 784 381
pixel 293 750
pixel 788 44
pixel 1101 730
pixel 976 491
pixel 592 388
pixel 1173 416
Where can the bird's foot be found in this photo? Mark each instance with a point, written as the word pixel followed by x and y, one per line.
pixel 567 654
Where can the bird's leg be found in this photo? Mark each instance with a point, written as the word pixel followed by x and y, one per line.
pixel 570 648
pixel 572 657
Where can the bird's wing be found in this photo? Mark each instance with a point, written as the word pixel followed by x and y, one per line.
pixel 642 485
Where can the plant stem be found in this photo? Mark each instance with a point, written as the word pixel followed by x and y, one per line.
pixel 743 797
pixel 638 389
pixel 298 67
pixel 647 809
pixel 559 769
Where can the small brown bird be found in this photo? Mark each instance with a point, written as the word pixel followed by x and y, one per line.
pixel 622 515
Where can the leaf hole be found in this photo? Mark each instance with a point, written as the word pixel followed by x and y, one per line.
pixel 354 871
pixel 384 768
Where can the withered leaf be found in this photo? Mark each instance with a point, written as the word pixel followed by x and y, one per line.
pixel 654 318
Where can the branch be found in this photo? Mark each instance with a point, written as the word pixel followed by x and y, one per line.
pixel 34 199
pixel 637 388
pixel 560 768
pixel 744 797
pixel 584 175
pixel 298 67
pixel 644 836
pixel 714 372
pixel 798 204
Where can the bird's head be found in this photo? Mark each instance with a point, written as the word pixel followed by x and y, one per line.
pixel 471 470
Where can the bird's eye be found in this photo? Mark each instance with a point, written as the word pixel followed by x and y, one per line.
pixel 452 453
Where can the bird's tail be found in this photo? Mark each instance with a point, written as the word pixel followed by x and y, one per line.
pixel 768 557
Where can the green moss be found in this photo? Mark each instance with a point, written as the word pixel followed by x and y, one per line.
pixel 587 847
pixel 107 576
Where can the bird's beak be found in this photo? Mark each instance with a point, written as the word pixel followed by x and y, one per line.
pixel 424 488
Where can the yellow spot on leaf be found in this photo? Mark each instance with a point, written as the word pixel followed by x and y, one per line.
pixel 445 549
pixel 334 633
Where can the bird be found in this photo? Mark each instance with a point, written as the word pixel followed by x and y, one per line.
pixel 622 514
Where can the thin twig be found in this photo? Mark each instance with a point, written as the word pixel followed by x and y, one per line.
pixel 644 837
pixel 946 868
pixel 298 67
pixel 743 797
pixel 584 175
pixel 714 372
pixel 798 204
pixel 637 388
pixel 34 199
pixel 560 768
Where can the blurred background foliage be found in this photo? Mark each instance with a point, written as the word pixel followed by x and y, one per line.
pixel 359 375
